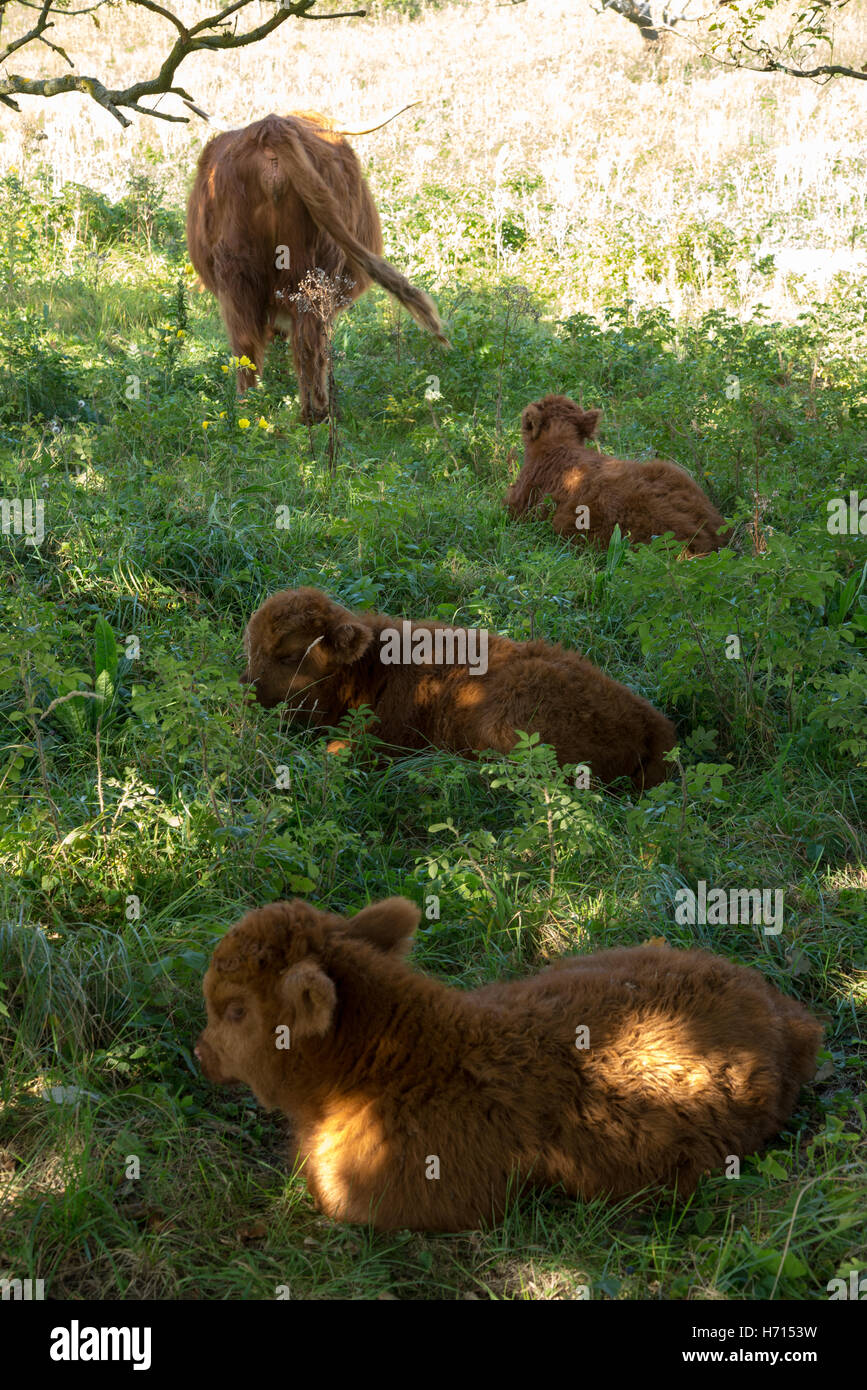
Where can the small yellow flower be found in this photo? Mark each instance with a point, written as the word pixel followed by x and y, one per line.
pixel 205 424
pixel 182 333
pixel 243 423
pixel 262 422
pixel 245 362
pixel 224 369
pixel 222 414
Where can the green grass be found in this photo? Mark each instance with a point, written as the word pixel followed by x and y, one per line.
pixel 163 788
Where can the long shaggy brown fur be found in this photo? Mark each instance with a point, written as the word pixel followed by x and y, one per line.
pixel 644 499
pixel 323 660
pixel 416 1104
pixel 293 182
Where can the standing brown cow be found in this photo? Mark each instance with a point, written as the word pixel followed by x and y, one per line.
pixel 270 203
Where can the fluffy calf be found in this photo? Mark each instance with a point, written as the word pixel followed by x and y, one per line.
pixel 323 660
pixel 270 203
pixel 417 1104
pixel 644 499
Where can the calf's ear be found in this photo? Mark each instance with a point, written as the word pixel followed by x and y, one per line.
pixel 348 638
pixel 531 421
pixel 589 423
pixel 309 997
pixel 388 925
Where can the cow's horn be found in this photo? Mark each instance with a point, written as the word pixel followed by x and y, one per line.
pixel 338 130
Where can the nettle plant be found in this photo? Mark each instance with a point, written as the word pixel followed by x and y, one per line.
pixel 757 643
pixel 296 832
pixel 170 339
pixel 37 380
pixel 555 818
pixel 675 822
pixel 189 704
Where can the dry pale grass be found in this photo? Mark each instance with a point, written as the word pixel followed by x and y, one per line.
pixel 544 111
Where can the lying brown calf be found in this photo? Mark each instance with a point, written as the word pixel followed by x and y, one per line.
pixel 595 492
pixel 469 690
pixel 418 1104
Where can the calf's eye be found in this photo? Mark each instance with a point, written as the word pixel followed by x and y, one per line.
pixel 235 1012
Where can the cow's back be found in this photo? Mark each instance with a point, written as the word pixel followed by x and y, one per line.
pixel 249 230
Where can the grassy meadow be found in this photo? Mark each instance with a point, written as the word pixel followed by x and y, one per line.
pixel 684 248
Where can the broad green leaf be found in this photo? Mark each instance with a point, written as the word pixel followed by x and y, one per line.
pixel 105 652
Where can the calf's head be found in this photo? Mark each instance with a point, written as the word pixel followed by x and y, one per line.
pixel 272 972
pixel 297 638
pixel 557 420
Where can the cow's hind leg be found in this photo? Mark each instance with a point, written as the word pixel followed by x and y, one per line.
pixel 248 339
pixel 310 354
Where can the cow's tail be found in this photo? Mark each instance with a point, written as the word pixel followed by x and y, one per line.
pixel 285 150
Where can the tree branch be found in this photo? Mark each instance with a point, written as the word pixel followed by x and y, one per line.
pixel 39 28
pixel 733 43
pixel 201 36
pixel 638 13
pixel 828 70
pixel 29 5
pixel 55 48
pixel 166 14
pixel 761 57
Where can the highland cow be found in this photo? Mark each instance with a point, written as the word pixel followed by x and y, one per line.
pixel 271 203
pixel 322 660
pixel 417 1104
pixel 594 492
